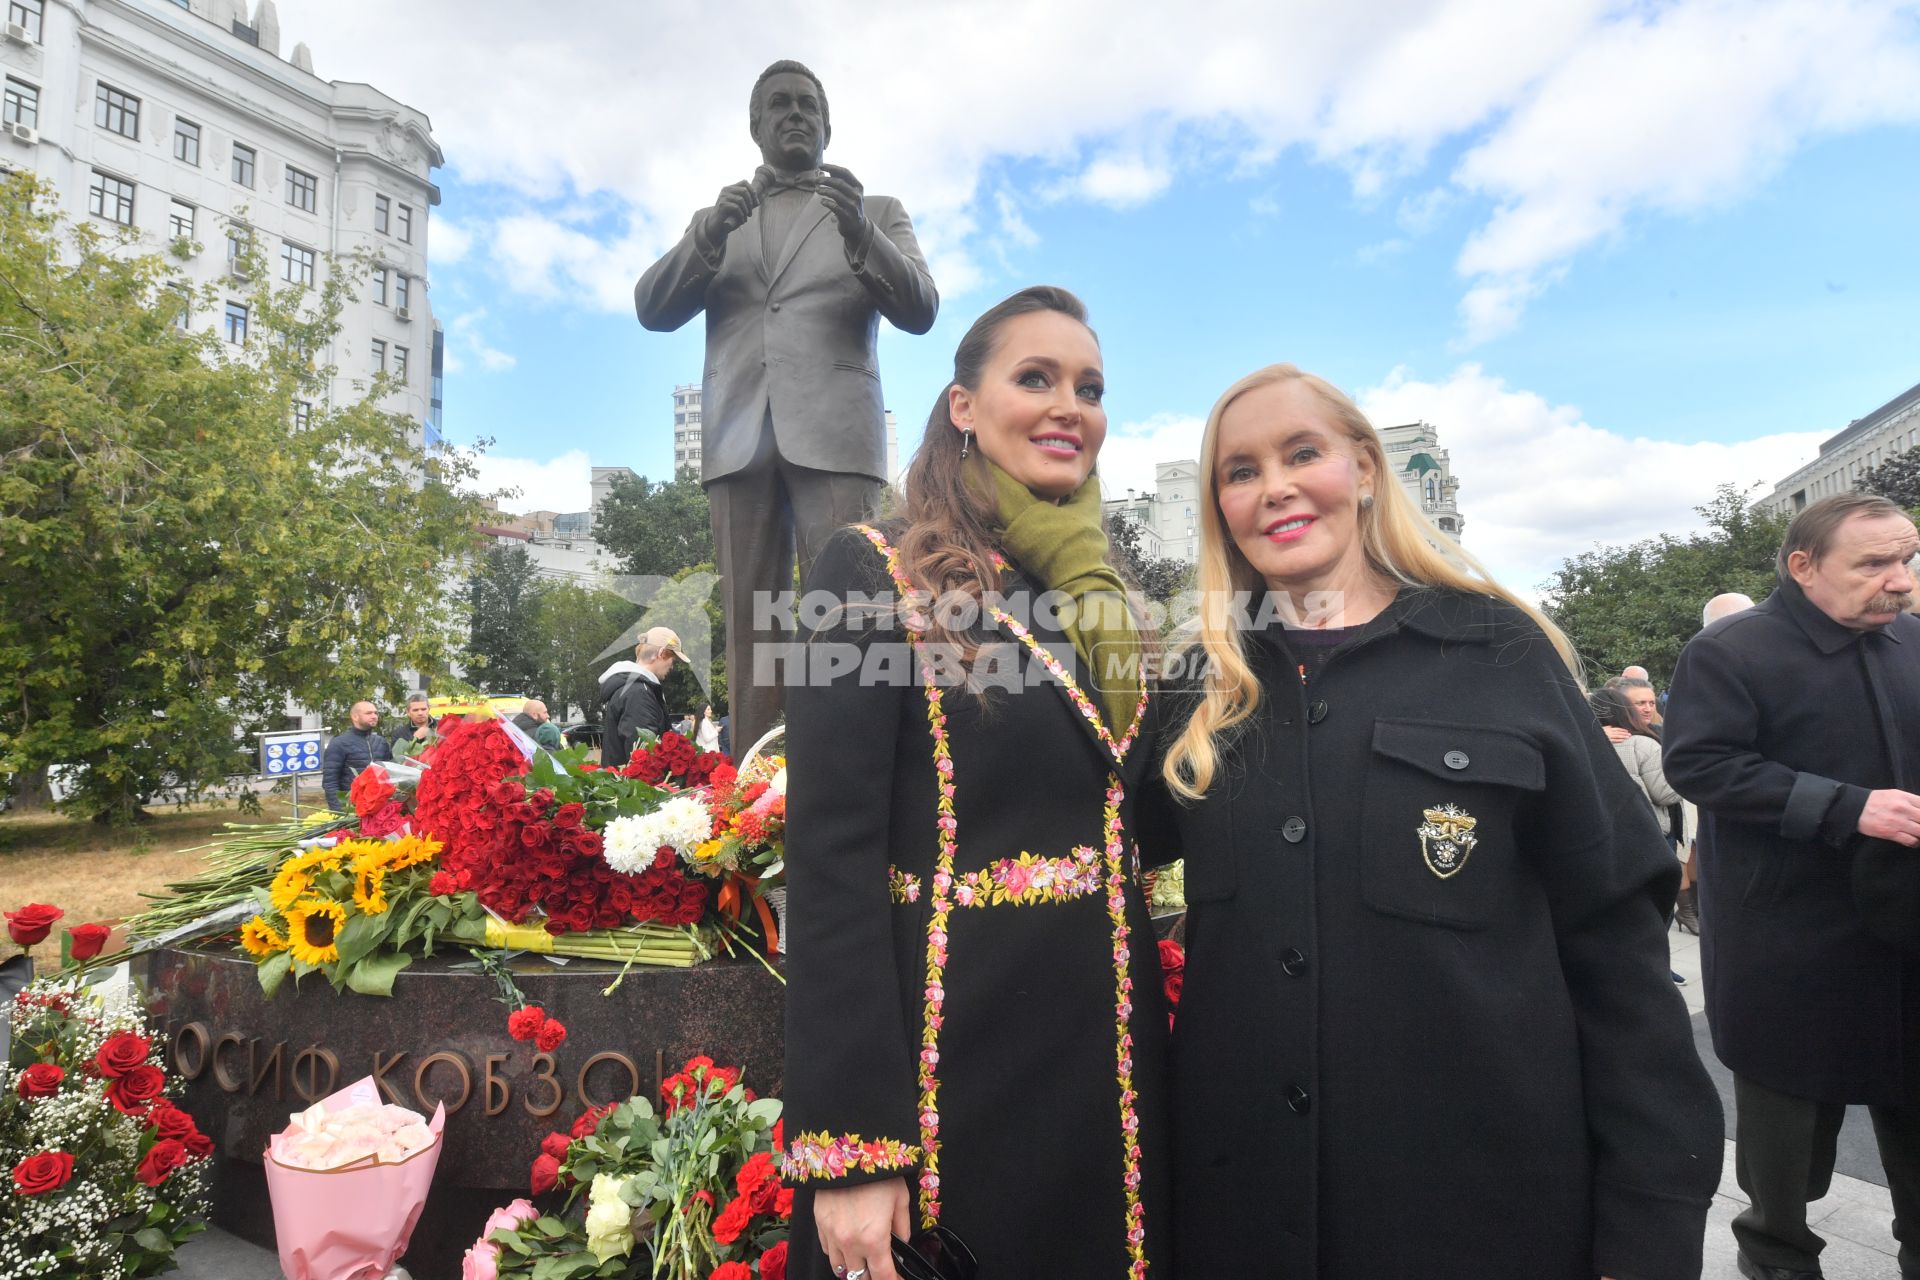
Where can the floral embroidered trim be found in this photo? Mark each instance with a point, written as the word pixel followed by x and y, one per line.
pixel 901 886
pixel 1123 1033
pixel 1080 699
pixel 1026 880
pixel 942 904
pixel 825 1156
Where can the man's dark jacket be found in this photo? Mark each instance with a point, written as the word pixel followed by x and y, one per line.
pixel 1780 722
pixel 346 756
pixel 645 707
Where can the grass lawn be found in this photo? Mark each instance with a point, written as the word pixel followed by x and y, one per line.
pixel 97 873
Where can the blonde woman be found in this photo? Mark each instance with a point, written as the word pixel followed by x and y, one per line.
pixel 1427 1028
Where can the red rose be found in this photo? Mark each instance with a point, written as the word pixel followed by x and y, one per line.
pixel 590 1120
pixel 504 794
pixel 87 940
pixel 122 1052
pixel 37 1175
pixel 525 1024
pixel 732 1221
pixel 546 1172
pixel 136 1088
pixel 1172 984
pixel 783 1203
pixel 570 815
pixel 41 1080
pixel 555 1145
pixel 731 1271
pixel 199 1145
pixel 443 885
pixel 167 1155
pixel 384 821
pixel 541 799
pixel 773 1263
pixel 32 923
pixel 170 1121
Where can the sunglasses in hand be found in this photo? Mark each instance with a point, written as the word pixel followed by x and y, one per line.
pixel 934 1254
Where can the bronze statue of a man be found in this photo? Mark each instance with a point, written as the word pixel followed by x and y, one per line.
pixel 794 269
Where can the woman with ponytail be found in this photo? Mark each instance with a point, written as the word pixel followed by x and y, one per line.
pixel 1426 1026
pixel 976 1034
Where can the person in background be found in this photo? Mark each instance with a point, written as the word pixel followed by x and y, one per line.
pixel 1724 605
pixel 534 721
pixel 1426 907
pixel 418 733
pixel 1639 751
pixel 351 751
pixel 707 736
pixel 640 704
pixel 1792 728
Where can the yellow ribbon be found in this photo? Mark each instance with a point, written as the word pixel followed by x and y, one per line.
pixel 518 937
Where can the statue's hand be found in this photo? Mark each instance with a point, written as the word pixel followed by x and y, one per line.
pixel 731 209
pixel 846 199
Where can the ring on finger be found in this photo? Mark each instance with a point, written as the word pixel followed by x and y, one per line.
pixel 859 1273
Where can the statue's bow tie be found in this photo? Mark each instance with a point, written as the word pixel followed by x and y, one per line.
pixel 767 181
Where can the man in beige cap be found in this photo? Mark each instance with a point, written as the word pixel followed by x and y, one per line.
pixel 638 701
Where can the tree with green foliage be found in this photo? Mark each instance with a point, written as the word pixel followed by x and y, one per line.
pixel 503 611
pixel 654 528
pixel 1898 479
pixel 573 626
pixel 1641 603
pixel 1160 578
pixel 178 557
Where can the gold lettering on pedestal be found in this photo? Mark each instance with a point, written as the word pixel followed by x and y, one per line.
pixel 494 1087
pixel 198 1032
pixel 383 1063
pixel 633 1077
pixel 543 1074
pixel 420 1078
pixel 257 1071
pixel 314 1057
pixel 227 1080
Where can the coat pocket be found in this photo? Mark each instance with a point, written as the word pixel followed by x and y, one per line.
pixel 1442 805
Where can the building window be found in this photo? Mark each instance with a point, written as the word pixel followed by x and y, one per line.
pixel 250 34
pixel 379 355
pixel 400 363
pixel 296 264
pixel 26 13
pixel 302 189
pixel 110 198
pixel 406 224
pixel 236 322
pixel 382 210
pixel 243 165
pixel 400 291
pixel 116 112
pixel 380 286
pixel 183 316
pixel 22 103
pixel 186 141
pixel 302 414
pixel 236 245
pixel 181 220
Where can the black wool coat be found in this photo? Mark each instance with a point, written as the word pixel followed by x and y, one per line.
pixel 1779 723
pixel 1036 1129
pixel 1408 1046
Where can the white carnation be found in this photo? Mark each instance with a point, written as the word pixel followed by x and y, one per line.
pixel 630 844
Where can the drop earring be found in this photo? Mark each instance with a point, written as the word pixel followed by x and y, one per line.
pixel 966 441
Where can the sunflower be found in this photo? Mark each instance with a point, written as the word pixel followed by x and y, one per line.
pixel 259 938
pixel 289 886
pixel 312 926
pixel 370 890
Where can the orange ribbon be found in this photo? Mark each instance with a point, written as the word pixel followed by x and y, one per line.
pixel 730 902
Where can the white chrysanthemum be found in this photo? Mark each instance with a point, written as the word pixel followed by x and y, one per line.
pixel 629 844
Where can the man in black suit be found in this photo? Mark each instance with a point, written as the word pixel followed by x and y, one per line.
pixel 1792 726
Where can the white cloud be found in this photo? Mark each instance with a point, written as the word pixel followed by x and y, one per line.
pixel 556 484
pixel 451 242
pixel 1539 483
pixel 465 338
pixel 1128 457
pixel 1574 117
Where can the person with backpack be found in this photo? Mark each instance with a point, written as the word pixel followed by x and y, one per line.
pixel 631 697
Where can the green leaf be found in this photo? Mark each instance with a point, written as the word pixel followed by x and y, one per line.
pixel 374 975
pixel 273 971
pixel 360 935
pixel 153 1240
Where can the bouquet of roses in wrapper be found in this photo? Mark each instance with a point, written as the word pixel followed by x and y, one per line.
pixel 348 1179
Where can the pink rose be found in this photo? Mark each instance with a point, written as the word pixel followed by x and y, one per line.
pixel 509 1218
pixel 481 1262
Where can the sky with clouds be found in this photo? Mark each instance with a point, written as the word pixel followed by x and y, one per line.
pixel 1618 253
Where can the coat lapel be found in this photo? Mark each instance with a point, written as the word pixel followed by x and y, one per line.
pixel 1059 651
pixel 803 226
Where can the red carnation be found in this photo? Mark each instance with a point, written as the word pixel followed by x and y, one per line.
pixel 122 1052
pixel 37 1175
pixel 773 1263
pixel 41 1080
pixel 551 1035
pixel 167 1155
pixel 32 923
pixel 555 1145
pixel 136 1088
pixel 732 1221
pixel 88 939
pixel 525 1024
pixel 546 1172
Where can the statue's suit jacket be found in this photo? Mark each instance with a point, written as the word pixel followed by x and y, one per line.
pixel 797 339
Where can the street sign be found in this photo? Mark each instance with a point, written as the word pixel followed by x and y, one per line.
pixel 292 753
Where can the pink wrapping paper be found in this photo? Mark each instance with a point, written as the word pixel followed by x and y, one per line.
pixel 351 1223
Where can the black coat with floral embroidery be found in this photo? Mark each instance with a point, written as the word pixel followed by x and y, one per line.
pixel 1427 1027
pixel 973 995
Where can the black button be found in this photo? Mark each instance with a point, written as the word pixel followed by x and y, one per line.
pixel 1317 712
pixel 1294 829
pixel 776 306
pixel 1294 963
pixel 1297 1100
pixel 1456 759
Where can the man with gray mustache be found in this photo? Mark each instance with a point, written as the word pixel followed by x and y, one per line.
pixel 1795 727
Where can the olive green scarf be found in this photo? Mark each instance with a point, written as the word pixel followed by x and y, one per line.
pixel 1063 545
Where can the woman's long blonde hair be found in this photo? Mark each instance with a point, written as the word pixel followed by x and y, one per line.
pixel 1395 535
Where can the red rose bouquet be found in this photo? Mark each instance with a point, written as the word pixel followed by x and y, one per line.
pixel 108 1174
pixel 382 804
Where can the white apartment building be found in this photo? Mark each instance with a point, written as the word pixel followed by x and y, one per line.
pixel 181 120
pixel 1844 457
pixel 1425 472
pixel 686 434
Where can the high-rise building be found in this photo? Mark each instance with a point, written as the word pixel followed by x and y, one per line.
pixel 686 428
pixel 1848 454
pixel 1168 515
pixel 181 120
pixel 1425 471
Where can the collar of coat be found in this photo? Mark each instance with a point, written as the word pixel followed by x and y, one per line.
pixel 1455 617
pixel 1827 635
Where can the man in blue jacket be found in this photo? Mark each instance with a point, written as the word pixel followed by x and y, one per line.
pixel 350 752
